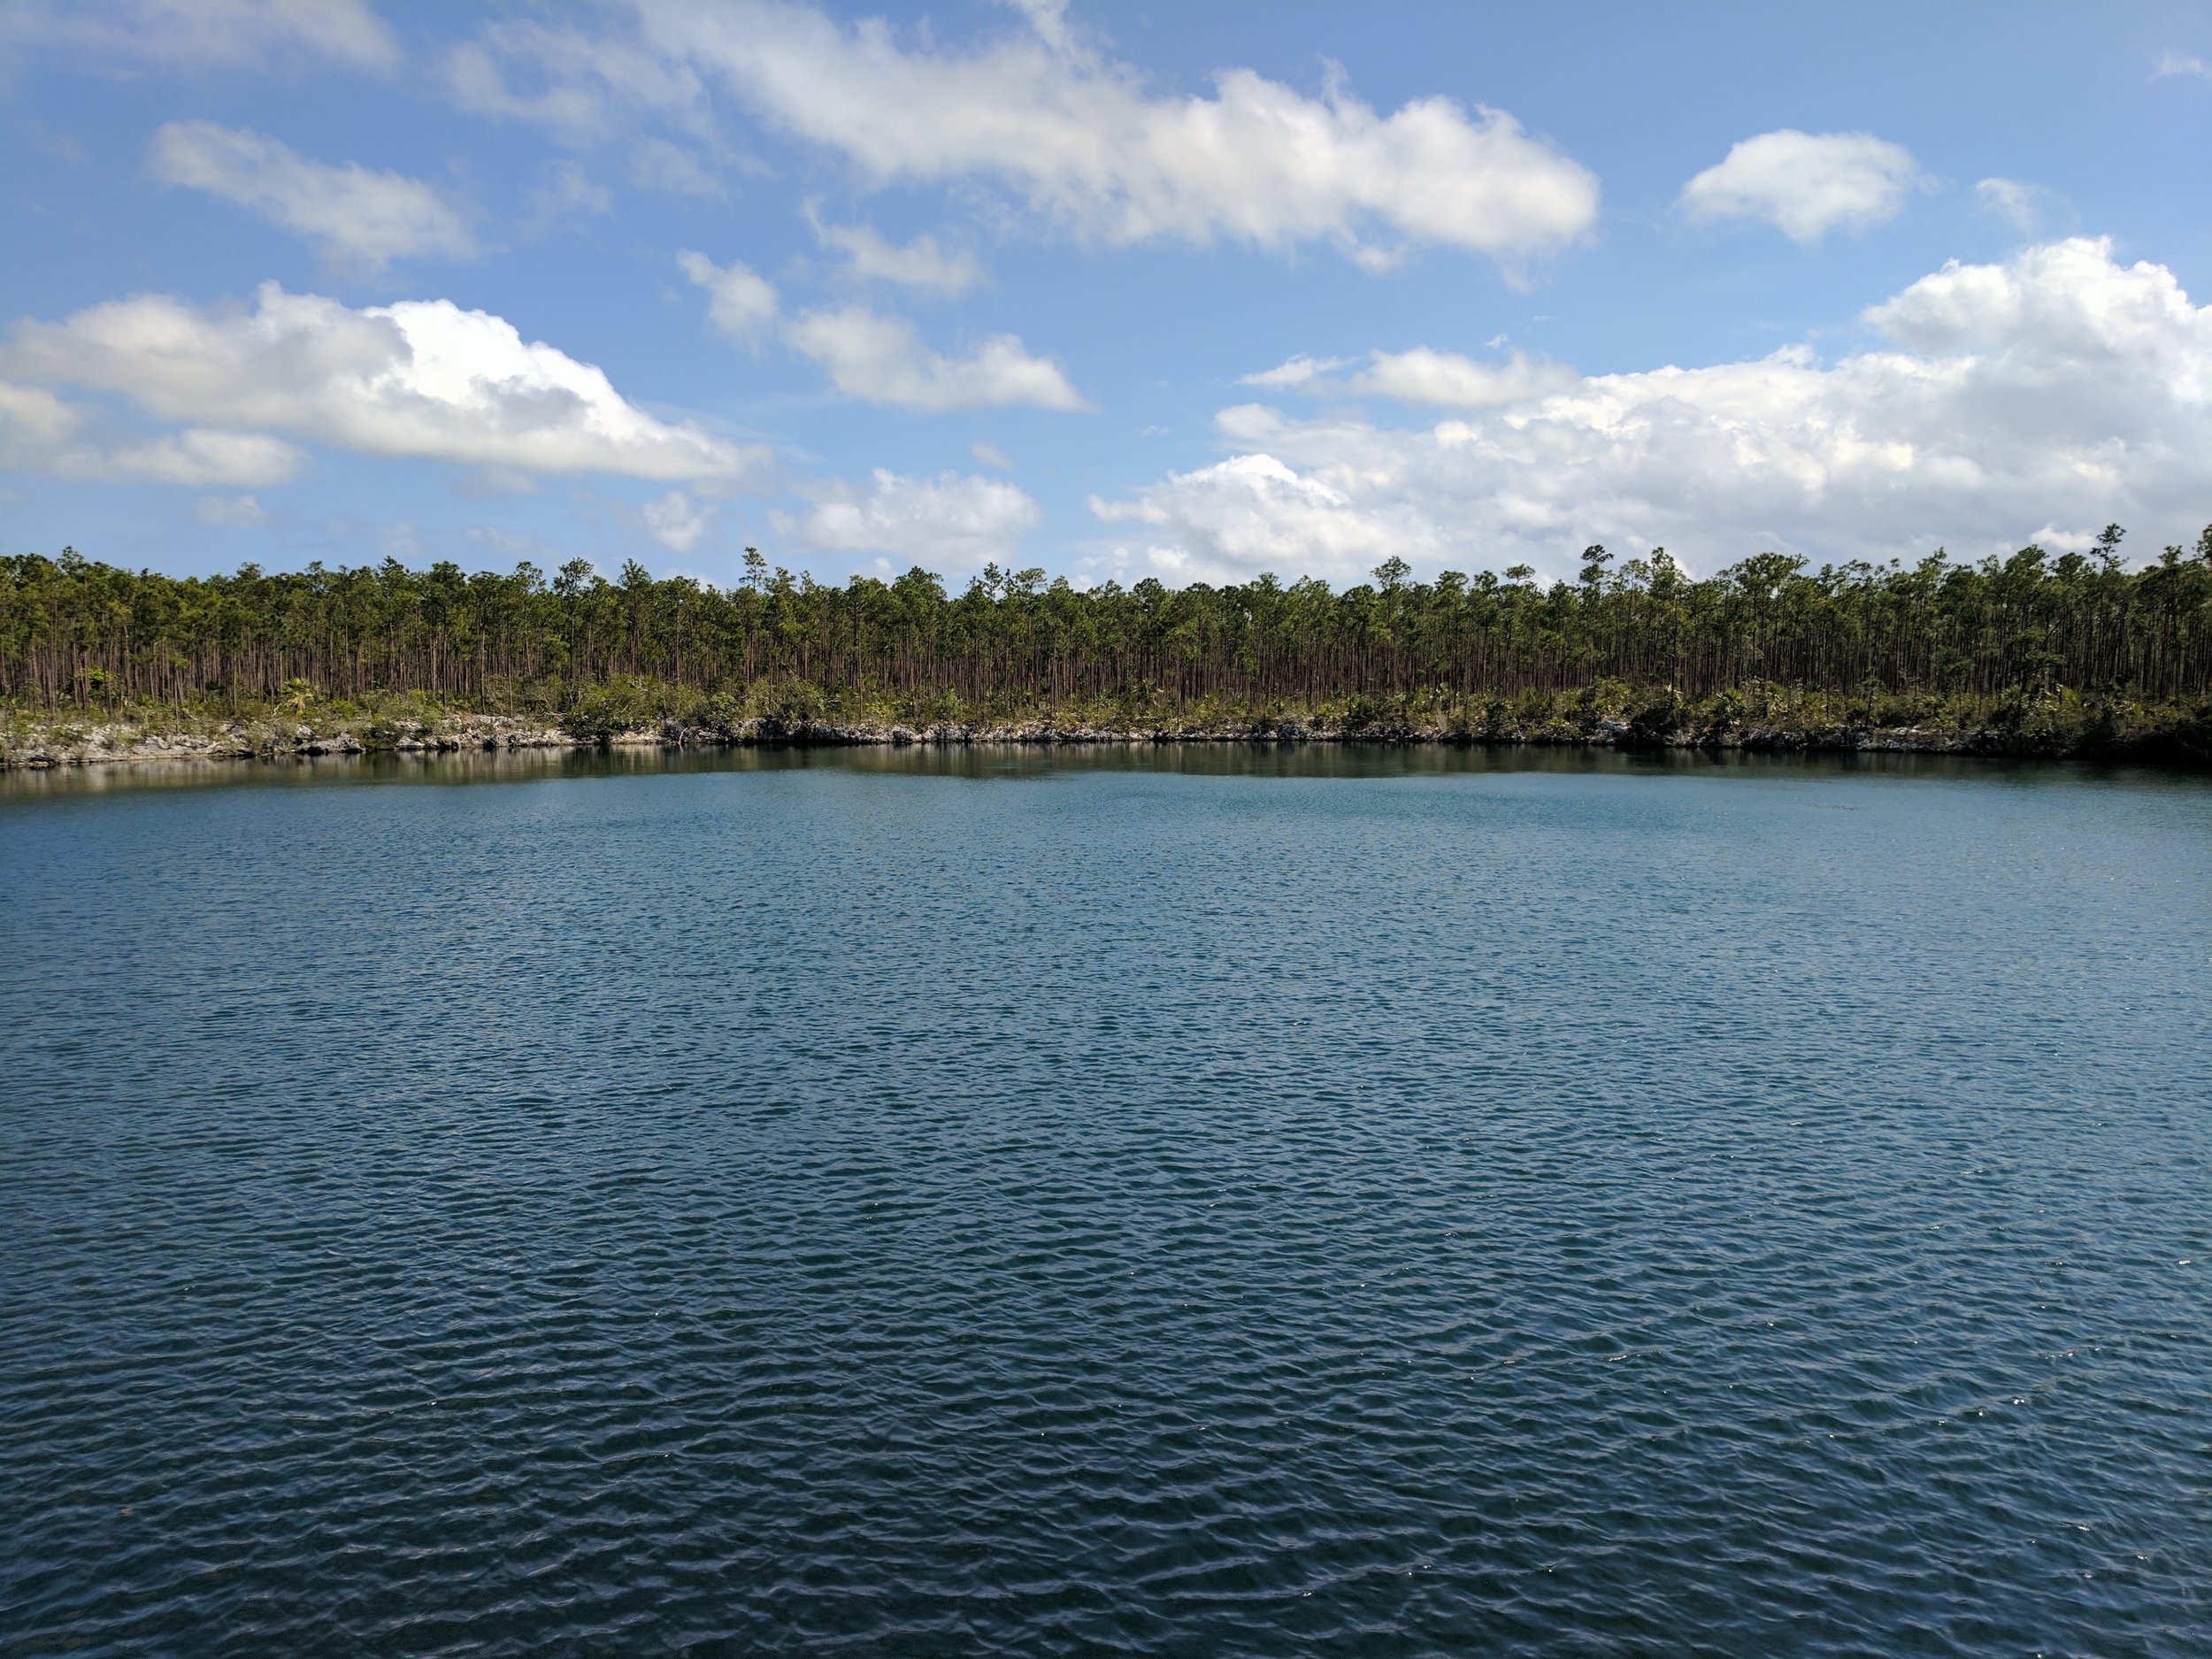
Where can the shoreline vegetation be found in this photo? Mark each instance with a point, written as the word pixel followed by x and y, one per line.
pixel 2037 655
pixel 1772 720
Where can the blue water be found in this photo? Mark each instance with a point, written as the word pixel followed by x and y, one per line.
pixel 1219 1201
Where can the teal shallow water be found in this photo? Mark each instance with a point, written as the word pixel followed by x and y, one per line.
pixel 1190 1202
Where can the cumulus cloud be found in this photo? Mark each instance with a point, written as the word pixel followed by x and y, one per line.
pixel 207 33
pixel 1252 513
pixel 354 215
pixel 882 359
pixel 418 378
pixel 1081 138
pixel 1806 184
pixel 740 302
pixel 2171 63
pixel 991 455
pixel 946 522
pixel 921 264
pixel 676 521
pixel 2065 311
pixel 2006 402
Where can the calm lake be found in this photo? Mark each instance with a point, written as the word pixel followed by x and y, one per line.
pixel 1164 1201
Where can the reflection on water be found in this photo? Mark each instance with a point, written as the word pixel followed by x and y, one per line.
pixel 1014 760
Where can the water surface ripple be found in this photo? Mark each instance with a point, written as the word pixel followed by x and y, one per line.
pixel 1231 1203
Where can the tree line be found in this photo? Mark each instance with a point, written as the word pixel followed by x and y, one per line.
pixel 77 631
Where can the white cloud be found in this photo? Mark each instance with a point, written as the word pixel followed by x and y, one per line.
pixel 2017 204
pixel 230 512
pixel 1298 370
pixel 1230 522
pixel 740 302
pixel 1446 378
pixel 1078 136
pixel 676 521
pixel 582 84
pixel 1422 375
pixel 589 87
pixel 991 455
pixel 31 414
pixel 419 378
pixel 2060 389
pixel 207 33
pixel 353 214
pixel 40 432
pixel 2009 199
pixel 199 456
pixel 948 522
pixel 2061 311
pixel 882 359
pixel 1807 184
pixel 920 264
pixel 1049 18
pixel 2172 63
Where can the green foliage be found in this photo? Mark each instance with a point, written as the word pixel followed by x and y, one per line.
pixel 2070 643
pixel 1661 716
pixel 1602 699
pixel 624 703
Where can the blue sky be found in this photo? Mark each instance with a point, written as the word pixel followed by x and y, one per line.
pixel 1189 292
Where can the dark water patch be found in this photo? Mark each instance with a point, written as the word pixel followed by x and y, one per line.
pixel 1041 761
pixel 1219 1200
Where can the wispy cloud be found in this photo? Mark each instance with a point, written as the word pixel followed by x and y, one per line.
pixel 678 521
pixel 199 34
pixel 1076 135
pixel 230 512
pixel 740 301
pixel 881 358
pixel 355 216
pixel 922 264
pixel 2025 207
pixel 1421 375
pixel 1298 370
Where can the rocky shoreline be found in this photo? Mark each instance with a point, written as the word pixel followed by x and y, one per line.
pixel 96 744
